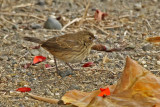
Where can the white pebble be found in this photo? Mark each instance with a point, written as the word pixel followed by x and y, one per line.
pixel 143 62
pixel 145 66
pixel 158 62
pixel 57 94
pixel 51 61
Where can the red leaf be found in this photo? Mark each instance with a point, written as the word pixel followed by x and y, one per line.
pixel 104 92
pixel 38 59
pixel 47 66
pixel 88 64
pixel 24 89
pixel 99 15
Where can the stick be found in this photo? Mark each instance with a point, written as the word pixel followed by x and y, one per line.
pixel 85 13
pixel 21 14
pixel 7 21
pixel 17 6
pixel 68 24
pixel 49 100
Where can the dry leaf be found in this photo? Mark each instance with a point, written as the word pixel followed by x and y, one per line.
pixel 153 39
pixel 99 15
pixel 137 87
pixel 99 47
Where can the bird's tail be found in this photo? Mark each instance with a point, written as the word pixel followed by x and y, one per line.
pixel 33 39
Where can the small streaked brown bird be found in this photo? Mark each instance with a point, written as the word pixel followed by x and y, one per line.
pixel 70 48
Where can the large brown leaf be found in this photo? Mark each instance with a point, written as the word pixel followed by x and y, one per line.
pixel 137 88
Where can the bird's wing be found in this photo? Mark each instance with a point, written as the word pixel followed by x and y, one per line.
pixel 63 43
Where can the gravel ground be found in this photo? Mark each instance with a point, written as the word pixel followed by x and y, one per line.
pixel 140 19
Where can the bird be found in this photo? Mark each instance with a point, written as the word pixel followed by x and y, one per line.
pixel 69 48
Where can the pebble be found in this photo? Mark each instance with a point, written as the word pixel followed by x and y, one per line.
pixel 65 73
pixel 15 27
pixel 158 62
pixel 147 47
pixel 52 23
pixel 41 2
pixel 51 62
pixel 57 94
pixel 35 26
pixel 138 6
pixel 5 58
pixel 143 62
pixel 74 86
pixel 145 66
pixel 34 52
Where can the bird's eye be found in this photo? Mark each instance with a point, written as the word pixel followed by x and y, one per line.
pixel 90 38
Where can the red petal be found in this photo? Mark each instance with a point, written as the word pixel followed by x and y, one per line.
pixel 47 66
pixel 24 89
pixel 104 92
pixel 88 64
pixel 38 59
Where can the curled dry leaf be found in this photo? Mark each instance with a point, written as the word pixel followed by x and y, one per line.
pixel 137 87
pixel 49 100
pixel 153 39
pixel 99 15
pixel 99 47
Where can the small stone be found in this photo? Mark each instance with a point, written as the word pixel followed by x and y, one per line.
pixel 145 66
pixel 41 2
pixel 57 94
pixel 143 62
pixel 5 58
pixel 147 47
pixel 51 62
pixel 65 73
pixel 15 27
pixel 138 6
pixel 158 62
pixel 35 26
pixel 52 23
pixel 34 52
pixel 74 86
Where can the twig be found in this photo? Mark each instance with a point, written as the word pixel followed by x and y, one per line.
pixel 73 21
pixel 148 23
pixel 49 100
pixel 17 6
pixel 85 13
pixel 7 21
pixel 20 14
pixel 100 29
pixel 113 27
pixel 68 24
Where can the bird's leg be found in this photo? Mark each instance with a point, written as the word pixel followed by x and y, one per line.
pixel 58 71
pixel 70 66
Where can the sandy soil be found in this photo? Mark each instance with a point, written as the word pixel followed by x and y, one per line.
pixel 136 20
